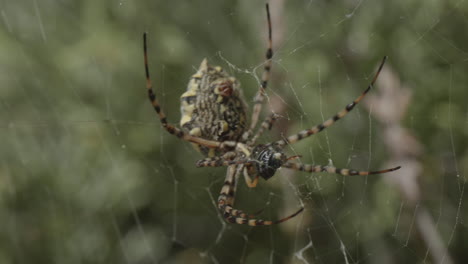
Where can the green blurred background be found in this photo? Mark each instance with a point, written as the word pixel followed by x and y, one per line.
pixel 88 175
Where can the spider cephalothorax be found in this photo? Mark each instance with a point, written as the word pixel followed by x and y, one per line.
pixel 213 107
pixel 268 159
pixel 214 121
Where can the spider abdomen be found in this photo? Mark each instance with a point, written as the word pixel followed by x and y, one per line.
pixel 213 107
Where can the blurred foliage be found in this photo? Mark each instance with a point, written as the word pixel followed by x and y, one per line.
pixel 88 175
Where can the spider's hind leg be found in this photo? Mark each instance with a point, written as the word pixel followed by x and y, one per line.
pixel 226 202
pixel 173 129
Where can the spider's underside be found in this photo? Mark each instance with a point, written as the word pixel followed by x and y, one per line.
pixel 214 121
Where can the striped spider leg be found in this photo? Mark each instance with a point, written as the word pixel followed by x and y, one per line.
pixel 259 97
pixel 318 128
pixel 226 201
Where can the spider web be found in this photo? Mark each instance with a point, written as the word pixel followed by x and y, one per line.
pixel 89 175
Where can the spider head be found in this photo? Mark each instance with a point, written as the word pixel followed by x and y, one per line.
pixel 269 158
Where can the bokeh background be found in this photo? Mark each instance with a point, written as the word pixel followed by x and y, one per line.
pixel 88 175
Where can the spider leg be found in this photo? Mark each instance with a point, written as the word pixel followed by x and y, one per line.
pixel 329 169
pixel 176 131
pixel 258 100
pixel 226 201
pixel 267 124
pixel 219 161
pixel 162 116
pixel 316 129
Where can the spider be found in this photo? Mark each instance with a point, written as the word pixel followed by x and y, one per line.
pixel 214 121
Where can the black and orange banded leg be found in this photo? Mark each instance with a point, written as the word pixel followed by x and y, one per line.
pixel 329 169
pixel 226 201
pixel 329 122
pixel 258 100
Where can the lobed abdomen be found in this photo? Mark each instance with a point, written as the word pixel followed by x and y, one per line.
pixel 213 107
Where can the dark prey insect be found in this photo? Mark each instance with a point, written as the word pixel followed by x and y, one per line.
pixel 214 121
